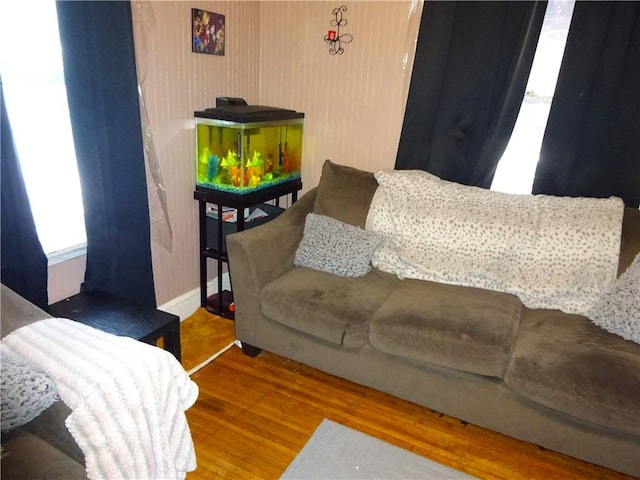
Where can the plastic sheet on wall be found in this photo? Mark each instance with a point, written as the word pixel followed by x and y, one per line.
pixel 158 212
pixel 413 28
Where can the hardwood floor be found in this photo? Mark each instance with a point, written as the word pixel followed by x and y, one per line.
pixel 253 416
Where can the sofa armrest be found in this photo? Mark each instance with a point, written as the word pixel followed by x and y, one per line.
pixel 17 311
pixel 259 255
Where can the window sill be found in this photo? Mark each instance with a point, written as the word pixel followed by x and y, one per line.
pixel 70 253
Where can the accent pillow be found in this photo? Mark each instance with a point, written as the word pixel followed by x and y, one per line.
pixel 25 391
pixel 332 246
pixel 618 311
pixel 345 193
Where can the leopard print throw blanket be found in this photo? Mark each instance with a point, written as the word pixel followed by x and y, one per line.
pixel 552 252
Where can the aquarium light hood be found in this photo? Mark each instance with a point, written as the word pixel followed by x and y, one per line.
pixel 249 113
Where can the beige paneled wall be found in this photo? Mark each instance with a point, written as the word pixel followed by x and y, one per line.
pixel 354 103
pixel 176 82
pixel 64 278
pixel 275 55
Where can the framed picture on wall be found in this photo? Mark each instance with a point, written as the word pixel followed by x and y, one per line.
pixel 207 32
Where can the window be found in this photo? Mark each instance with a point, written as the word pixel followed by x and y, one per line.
pixel 517 166
pixel 36 99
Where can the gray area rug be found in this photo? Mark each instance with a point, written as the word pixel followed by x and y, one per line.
pixel 338 452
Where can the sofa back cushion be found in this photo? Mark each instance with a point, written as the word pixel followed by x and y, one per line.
pixel 345 193
pixel 552 252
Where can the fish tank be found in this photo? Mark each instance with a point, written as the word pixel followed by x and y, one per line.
pixel 241 149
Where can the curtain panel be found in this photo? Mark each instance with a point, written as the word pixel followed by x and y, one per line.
pixel 469 77
pixel 100 74
pixel 591 146
pixel 24 264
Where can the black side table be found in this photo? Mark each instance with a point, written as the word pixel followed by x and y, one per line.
pixel 120 317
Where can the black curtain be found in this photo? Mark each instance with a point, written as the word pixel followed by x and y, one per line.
pixel 469 77
pixel 100 74
pixel 24 264
pixel 591 145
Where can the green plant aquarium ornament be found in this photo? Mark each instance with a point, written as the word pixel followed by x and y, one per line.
pixel 244 148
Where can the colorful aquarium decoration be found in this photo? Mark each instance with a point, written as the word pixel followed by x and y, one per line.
pixel 242 149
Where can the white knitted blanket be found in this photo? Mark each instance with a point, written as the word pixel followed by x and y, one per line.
pixel 552 252
pixel 127 398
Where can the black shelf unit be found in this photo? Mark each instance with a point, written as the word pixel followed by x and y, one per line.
pixel 216 247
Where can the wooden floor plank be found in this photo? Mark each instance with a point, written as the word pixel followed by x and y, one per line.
pixel 253 416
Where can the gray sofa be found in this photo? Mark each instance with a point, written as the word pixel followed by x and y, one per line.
pixel 42 448
pixel 543 376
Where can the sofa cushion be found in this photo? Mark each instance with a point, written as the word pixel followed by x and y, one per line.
pixel 344 193
pixel 332 246
pixel 335 309
pixel 451 326
pixel 568 364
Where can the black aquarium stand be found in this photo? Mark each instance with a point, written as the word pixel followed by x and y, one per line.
pixel 213 231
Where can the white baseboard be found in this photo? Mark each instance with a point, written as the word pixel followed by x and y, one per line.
pixel 184 305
